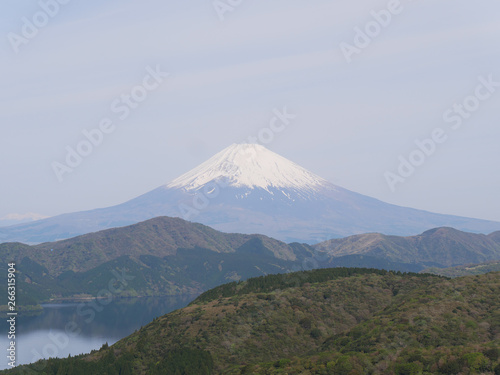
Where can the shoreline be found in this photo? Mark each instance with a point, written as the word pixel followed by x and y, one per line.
pixel 90 298
pixel 33 310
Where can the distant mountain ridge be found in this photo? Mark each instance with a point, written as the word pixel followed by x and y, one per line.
pixel 466 270
pixel 441 247
pixel 170 256
pixel 163 256
pixel 159 237
pixel 248 189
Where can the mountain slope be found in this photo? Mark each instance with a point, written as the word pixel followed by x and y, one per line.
pixel 159 237
pixel 495 236
pixel 249 189
pixel 441 247
pixel 167 256
pixel 328 322
pixel 161 256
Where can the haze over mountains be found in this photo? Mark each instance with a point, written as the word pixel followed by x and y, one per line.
pixel 248 189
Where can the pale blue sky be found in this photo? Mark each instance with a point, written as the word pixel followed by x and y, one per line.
pixel 353 119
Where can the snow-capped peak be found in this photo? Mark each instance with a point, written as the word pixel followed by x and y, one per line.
pixel 252 166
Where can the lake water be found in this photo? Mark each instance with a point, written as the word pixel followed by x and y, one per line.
pixel 79 327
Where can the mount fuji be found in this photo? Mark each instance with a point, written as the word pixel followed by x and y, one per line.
pixel 248 189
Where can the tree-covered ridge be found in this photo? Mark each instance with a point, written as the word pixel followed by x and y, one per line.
pixel 369 322
pixel 159 237
pixel 451 327
pixel 270 283
pixel 163 256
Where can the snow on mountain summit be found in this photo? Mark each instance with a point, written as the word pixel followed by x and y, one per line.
pixel 249 189
pixel 251 166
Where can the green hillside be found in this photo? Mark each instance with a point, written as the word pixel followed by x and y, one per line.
pixel 159 237
pixel 162 256
pixel 331 321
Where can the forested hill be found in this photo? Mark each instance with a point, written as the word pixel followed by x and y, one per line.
pixel 170 256
pixel 269 283
pixel 363 322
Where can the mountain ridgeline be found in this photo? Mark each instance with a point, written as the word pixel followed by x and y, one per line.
pixel 330 321
pixel 170 256
pixel 162 256
pixel 246 188
pixel 438 247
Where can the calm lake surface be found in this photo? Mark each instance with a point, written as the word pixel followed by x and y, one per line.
pixel 79 327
